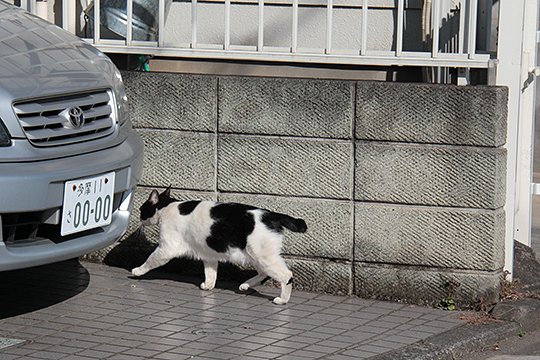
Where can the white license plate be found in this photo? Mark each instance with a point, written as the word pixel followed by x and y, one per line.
pixel 88 203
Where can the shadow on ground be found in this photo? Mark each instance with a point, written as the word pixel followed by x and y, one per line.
pixel 135 249
pixel 28 290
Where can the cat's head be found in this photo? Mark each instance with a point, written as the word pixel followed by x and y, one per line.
pixel 149 211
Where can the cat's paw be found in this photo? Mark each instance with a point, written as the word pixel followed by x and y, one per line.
pixel 204 286
pixel 243 287
pixel 279 301
pixel 137 272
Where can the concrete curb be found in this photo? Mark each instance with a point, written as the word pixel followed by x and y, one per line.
pixel 455 343
pixel 514 316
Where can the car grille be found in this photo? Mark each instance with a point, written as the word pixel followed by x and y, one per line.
pixel 57 121
pixel 26 228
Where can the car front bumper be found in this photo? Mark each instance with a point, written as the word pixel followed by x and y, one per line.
pixel 38 188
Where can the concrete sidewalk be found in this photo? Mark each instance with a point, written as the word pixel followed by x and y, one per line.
pixel 74 310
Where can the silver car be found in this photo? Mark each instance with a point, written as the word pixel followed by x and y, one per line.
pixel 69 158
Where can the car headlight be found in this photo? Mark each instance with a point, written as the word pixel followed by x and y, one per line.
pixel 119 89
pixel 5 139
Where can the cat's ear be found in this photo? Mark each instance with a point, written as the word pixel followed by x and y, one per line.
pixel 167 191
pixel 154 197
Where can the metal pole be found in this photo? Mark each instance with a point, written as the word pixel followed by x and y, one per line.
pixel 329 26
pixel 294 45
pixel 363 47
pixel 260 41
pixel 399 37
pixel 509 74
pixel 227 35
pixel 161 23
pixel 193 24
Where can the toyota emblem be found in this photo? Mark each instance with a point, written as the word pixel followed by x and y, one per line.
pixel 76 117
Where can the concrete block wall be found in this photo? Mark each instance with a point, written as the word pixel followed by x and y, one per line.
pixel 402 185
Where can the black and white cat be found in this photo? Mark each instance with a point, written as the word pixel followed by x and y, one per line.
pixel 214 232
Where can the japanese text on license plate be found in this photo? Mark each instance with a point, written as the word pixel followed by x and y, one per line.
pixel 88 203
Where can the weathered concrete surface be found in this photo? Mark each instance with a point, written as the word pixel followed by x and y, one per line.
pixel 424 285
pixel 430 175
pixel 425 236
pixel 172 101
pixel 427 113
pixel 285 166
pixel 181 159
pixel 298 107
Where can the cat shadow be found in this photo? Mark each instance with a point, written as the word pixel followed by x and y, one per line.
pixel 221 284
pixel 134 249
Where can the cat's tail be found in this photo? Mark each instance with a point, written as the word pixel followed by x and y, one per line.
pixel 277 221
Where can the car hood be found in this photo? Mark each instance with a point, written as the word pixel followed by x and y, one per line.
pixel 39 59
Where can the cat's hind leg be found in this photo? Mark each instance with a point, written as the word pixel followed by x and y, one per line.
pixel 210 275
pixel 276 268
pixel 254 281
pixel 159 257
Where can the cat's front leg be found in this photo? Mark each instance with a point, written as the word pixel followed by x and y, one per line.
pixel 210 275
pixel 159 257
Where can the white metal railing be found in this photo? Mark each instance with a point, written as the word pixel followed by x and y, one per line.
pixel 462 53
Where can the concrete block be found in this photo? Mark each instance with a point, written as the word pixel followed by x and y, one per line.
pixel 329 224
pixel 321 276
pixel 183 160
pixel 318 108
pixel 172 101
pixel 279 166
pixel 430 175
pixel 425 287
pixel 427 113
pixel 428 236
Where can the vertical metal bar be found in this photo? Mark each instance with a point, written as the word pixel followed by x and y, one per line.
pixel 294 45
pixel 329 7
pixel 363 47
pixel 129 23
pixel 509 69
pixel 193 24
pixel 461 33
pixel 161 22
pixel 260 41
pixel 32 6
pixel 68 16
pixel 400 15
pixel 227 38
pixel 436 21
pixel 97 20
pixel 473 8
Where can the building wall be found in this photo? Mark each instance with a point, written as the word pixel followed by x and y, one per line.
pixel 402 185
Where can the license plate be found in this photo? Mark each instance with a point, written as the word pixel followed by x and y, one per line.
pixel 88 203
